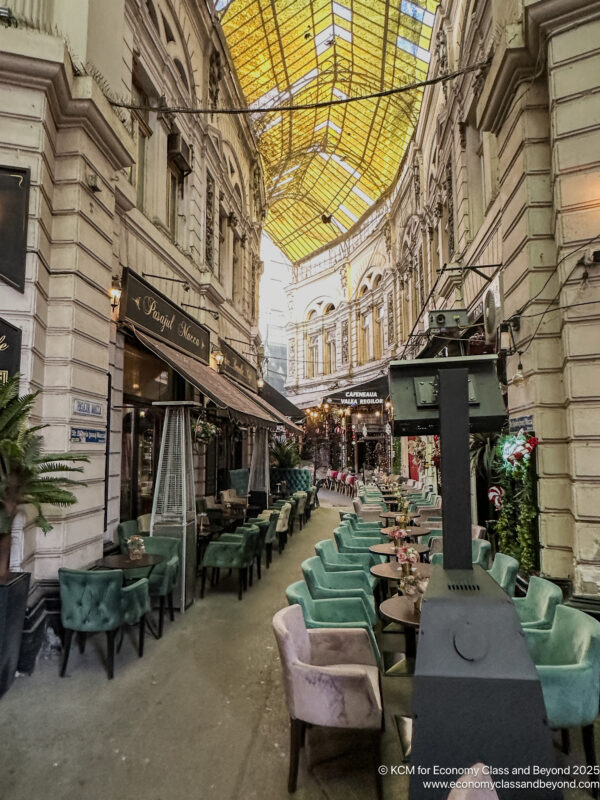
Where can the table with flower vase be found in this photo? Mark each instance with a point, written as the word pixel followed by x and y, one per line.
pixel 393 514
pixel 389 549
pixel 391 572
pixel 123 562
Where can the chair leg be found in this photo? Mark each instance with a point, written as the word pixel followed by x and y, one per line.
pixel 296 734
pixel 171 608
pixel 81 639
pixel 161 614
pixel 565 740
pixel 66 651
pixel 258 566
pixel 589 747
pixel 110 653
pixel 269 554
pixel 142 634
pixel 240 582
pixel 203 583
pixel 251 573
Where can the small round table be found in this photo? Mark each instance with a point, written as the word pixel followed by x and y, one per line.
pixel 402 609
pixel 393 514
pixel 390 572
pixel 388 549
pixel 122 561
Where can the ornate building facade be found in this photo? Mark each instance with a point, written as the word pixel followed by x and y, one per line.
pixel 172 200
pixel 497 202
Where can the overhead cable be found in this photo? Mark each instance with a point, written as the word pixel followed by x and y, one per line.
pixel 409 87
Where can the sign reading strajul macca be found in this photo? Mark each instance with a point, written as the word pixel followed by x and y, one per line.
pixel 154 313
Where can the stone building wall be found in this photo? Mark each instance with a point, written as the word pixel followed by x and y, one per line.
pixel 88 218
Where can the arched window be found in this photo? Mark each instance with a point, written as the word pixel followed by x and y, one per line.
pixel 376 281
pixel 181 71
pixel 328 308
pixel 312 356
pixel 363 290
pixel 310 314
pixel 168 31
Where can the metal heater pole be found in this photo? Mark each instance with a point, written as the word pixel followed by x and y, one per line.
pixel 454 441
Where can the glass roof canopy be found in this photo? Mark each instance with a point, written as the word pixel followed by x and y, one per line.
pixel 337 160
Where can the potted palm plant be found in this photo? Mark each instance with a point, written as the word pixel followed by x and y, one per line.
pixel 28 477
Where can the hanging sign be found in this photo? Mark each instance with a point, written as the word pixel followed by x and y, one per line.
pixel 10 350
pixel 88 435
pixel 237 367
pixel 365 394
pixel 154 313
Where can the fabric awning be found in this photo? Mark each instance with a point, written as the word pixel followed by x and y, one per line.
pixel 280 402
pixel 223 392
pixel 362 394
pixel 283 419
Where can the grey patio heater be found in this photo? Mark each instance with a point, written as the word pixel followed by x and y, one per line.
pixel 477 697
pixel 174 502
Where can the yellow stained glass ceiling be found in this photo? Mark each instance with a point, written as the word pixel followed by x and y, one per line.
pixel 338 160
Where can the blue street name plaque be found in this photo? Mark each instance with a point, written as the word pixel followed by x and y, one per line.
pixel 88 435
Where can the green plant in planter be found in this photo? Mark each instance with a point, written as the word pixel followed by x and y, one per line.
pixel 27 475
pixel 285 454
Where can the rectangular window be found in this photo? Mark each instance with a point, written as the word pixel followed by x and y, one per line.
pixel 173 183
pixel 141 134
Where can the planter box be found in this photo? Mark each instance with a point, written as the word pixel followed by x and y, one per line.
pixel 13 600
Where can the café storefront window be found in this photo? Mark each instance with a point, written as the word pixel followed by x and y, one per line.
pixel 146 379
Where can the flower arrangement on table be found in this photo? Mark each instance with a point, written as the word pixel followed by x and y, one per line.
pixel 203 431
pixel 136 547
pixel 407 554
pixel 413 586
pixel 396 536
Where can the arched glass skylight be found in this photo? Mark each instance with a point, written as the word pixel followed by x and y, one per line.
pixel 334 161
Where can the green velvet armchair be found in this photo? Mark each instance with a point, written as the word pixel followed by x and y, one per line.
pixel 323 584
pixel 347 543
pixel 504 572
pixel 163 576
pixel 537 609
pixel 231 555
pixel 342 612
pixel 94 601
pixel 567 659
pixel 334 561
pixel 480 552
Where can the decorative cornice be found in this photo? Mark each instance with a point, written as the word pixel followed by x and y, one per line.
pixel 35 60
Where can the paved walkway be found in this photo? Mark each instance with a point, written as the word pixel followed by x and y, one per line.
pixel 201 716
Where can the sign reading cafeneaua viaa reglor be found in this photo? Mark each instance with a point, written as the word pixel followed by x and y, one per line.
pixel 155 314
